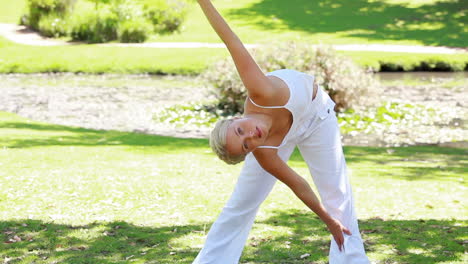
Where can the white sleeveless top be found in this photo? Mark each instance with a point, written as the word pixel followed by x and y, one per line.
pixel 301 88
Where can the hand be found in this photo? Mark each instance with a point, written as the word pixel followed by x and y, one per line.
pixel 337 230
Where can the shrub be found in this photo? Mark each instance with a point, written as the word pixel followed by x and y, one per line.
pixel 41 8
pixel 53 26
pixel 166 15
pixel 347 84
pixel 94 26
pixel 127 9
pixel 96 21
pixel 135 30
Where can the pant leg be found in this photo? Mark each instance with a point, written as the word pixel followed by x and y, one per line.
pixel 227 236
pixel 323 152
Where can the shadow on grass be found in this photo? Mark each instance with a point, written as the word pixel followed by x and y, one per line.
pixel 113 242
pixel 441 23
pixel 57 135
pixel 408 163
pixel 400 241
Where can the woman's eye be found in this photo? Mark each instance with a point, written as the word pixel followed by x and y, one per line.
pixel 239 130
pixel 246 146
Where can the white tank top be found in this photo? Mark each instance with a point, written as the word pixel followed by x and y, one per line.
pixel 301 88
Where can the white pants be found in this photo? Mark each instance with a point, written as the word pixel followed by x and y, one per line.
pixel 320 145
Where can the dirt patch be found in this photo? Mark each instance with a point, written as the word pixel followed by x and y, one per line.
pixel 107 102
pixel 129 103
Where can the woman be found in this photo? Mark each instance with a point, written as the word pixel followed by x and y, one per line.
pixel 284 109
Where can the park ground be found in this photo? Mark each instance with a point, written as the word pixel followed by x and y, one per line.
pixel 111 195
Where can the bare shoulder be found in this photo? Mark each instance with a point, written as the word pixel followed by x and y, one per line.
pixel 267 158
pixel 274 165
pixel 277 93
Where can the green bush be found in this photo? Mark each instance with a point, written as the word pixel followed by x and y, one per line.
pixel 94 26
pixel 127 9
pixel 42 8
pixel 136 30
pixel 166 15
pixel 347 84
pixel 96 21
pixel 53 26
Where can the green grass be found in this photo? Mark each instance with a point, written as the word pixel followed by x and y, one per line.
pixel 15 58
pixel 381 21
pixel 422 22
pixel 11 10
pixel 75 195
pixel 427 22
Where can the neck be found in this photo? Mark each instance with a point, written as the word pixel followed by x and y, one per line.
pixel 265 119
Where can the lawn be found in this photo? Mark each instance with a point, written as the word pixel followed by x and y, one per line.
pixel 423 22
pixel 420 22
pixel 15 58
pixel 72 195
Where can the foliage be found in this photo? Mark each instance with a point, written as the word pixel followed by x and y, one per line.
pixel 399 62
pixel 101 21
pixel 397 123
pixel 94 27
pixel 127 9
pixel 347 84
pixel 166 15
pixel 52 25
pixel 394 123
pixel 194 115
pixel 136 30
pixel 39 9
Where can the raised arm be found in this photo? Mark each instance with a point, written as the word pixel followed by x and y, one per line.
pixel 255 81
pixel 274 165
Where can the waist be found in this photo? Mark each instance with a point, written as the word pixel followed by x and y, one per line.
pixel 321 101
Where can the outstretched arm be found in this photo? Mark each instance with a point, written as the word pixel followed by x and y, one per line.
pixel 274 165
pixel 255 81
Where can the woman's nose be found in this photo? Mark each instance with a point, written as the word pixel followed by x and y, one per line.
pixel 248 135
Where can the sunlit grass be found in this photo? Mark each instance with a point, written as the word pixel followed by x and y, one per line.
pixel 422 22
pixel 101 59
pixel 399 22
pixel 11 10
pixel 15 58
pixel 85 196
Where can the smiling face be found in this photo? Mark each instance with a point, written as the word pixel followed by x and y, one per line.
pixel 244 135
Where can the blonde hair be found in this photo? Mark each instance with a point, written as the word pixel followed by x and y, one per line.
pixel 218 142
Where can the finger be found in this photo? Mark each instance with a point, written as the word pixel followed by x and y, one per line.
pixel 339 242
pixel 341 238
pixel 346 231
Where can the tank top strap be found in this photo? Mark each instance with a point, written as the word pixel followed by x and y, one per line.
pixel 267 107
pixel 269 147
